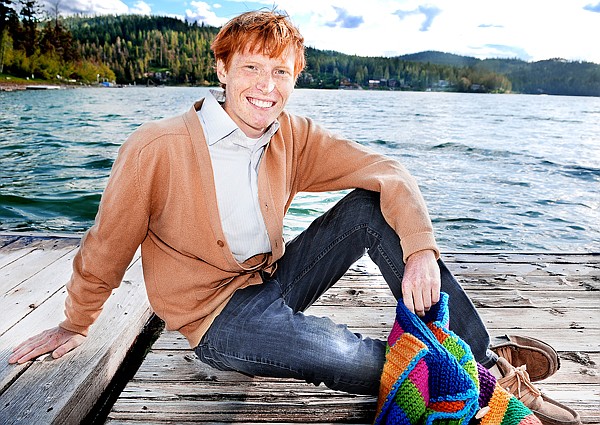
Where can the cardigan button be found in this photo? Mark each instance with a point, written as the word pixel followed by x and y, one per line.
pixel 220 243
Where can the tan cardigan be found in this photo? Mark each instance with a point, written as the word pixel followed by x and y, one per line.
pixel 161 195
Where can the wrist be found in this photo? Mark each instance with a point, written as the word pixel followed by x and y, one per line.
pixel 422 254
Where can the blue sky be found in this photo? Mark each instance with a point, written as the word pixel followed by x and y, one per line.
pixel 526 29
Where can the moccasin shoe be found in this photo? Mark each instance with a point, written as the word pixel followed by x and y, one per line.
pixel 541 359
pixel 516 381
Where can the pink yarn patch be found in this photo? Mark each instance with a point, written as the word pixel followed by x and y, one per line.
pixel 396 332
pixel 419 376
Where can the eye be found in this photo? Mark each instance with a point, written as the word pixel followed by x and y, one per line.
pixel 282 72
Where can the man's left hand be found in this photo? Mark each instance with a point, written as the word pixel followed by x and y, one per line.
pixel 421 282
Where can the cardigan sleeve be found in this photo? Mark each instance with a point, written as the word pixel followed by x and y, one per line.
pixel 109 245
pixel 327 162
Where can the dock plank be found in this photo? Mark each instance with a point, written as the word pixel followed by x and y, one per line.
pixel 48 391
pixel 553 297
pixel 34 291
pixel 12 275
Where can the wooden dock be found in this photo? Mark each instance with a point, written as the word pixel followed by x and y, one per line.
pixel 552 297
pixel 33 274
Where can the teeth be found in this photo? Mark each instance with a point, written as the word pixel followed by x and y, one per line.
pixel 260 103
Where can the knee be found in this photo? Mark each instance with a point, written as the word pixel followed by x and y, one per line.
pixel 363 196
pixel 364 205
pixel 210 356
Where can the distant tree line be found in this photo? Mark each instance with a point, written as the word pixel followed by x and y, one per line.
pixel 169 51
pixel 553 76
pixel 328 69
pixel 130 49
pixel 558 77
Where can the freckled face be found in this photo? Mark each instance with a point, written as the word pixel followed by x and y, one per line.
pixel 258 88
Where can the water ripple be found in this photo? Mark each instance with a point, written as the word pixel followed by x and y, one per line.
pixel 497 172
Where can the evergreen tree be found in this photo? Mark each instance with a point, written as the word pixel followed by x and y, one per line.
pixel 5 11
pixel 30 10
pixel 7 14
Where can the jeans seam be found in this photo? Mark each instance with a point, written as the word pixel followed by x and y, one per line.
pixel 389 262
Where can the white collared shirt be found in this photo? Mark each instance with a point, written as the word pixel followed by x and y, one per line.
pixel 235 160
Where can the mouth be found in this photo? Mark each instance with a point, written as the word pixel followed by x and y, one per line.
pixel 263 104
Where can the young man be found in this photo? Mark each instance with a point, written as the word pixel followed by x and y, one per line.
pixel 205 194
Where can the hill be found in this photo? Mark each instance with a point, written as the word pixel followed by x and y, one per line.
pixel 134 49
pixel 553 76
pixel 146 48
pixel 440 58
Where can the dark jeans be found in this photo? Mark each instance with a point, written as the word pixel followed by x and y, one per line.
pixel 263 331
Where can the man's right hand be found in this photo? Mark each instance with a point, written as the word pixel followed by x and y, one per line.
pixel 57 340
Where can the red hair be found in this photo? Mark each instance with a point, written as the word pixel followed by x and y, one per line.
pixel 270 33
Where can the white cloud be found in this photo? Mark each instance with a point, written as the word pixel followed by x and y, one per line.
pixel 97 7
pixel 202 13
pixel 531 30
pixel 88 7
pixel 140 8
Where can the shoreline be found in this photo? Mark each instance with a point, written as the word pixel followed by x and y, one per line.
pixel 44 85
pixel 19 86
pixel 11 86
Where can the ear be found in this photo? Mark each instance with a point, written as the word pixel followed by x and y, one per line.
pixel 221 71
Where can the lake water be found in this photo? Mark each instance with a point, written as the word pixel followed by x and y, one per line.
pixel 499 172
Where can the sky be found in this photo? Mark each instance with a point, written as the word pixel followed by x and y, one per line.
pixel 531 30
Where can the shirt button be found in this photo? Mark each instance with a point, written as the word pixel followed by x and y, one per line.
pixel 220 243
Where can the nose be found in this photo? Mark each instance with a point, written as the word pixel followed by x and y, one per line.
pixel 265 82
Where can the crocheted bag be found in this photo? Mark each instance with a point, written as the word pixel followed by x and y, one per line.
pixel 430 375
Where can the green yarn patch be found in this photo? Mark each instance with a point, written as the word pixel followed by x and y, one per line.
pixel 410 400
pixel 454 347
pixel 515 412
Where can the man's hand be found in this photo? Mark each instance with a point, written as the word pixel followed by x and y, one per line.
pixel 57 340
pixel 421 282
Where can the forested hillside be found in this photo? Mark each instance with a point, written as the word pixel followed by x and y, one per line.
pixel 332 70
pixel 135 49
pixel 138 48
pixel 168 51
pixel 552 76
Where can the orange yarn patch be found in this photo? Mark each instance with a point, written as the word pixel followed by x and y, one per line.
pixel 498 405
pixel 440 335
pixel 447 406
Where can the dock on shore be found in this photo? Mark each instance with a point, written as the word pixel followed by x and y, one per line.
pixel 553 297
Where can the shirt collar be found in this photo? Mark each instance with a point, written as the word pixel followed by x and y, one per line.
pixel 219 125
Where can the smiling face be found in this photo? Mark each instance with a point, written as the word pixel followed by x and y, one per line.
pixel 257 88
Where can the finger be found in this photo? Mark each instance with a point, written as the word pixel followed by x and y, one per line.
pixel 427 299
pixel 29 353
pixel 435 295
pixel 69 345
pixel 13 359
pixel 41 344
pixel 408 300
pixel 23 351
pixel 29 341
pixel 419 305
